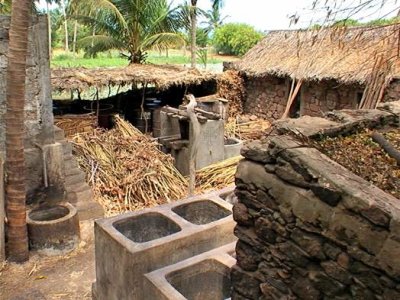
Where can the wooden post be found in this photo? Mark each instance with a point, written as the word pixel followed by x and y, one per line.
pixel 2 213
pixel 291 99
pixel 195 128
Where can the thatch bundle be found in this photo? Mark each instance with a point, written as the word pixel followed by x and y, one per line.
pixel 246 128
pixel 231 87
pixel 217 176
pixel 126 170
pixel 344 54
pixel 161 76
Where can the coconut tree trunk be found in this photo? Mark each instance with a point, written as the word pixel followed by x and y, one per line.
pixel 75 37
pixel 193 27
pixel 15 163
pixel 65 26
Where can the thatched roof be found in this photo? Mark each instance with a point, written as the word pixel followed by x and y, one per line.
pixel 343 54
pixel 161 76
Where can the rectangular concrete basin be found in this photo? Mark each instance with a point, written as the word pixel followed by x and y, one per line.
pixel 133 244
pixel 146 227
pixel 207 280
pixel 201 212
pixel 203 277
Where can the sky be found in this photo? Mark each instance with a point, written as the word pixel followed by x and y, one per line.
pixel 267 15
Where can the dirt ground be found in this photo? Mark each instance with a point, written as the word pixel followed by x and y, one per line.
pixel 52 277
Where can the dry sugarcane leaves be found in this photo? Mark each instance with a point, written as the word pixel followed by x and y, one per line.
pixel 131 172
pixel 362 156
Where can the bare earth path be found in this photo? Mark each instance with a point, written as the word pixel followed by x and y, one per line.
pixel 57 277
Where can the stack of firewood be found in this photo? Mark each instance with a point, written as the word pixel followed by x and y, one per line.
pixel 231 87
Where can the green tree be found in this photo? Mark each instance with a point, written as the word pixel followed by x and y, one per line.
pixel 235 38
pixel 346 23
pixel 5 7
pixel 128 25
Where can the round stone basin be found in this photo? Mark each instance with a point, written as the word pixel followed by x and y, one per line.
pixel 53 228
pixel 49 213
pixel 201 212
pixel 146 227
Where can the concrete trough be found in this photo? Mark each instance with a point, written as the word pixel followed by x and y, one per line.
pixel 133 244
pixel 202 277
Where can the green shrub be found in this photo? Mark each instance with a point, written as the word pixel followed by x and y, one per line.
pixel 235 38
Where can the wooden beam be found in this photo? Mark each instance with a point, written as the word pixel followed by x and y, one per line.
pixel 207 114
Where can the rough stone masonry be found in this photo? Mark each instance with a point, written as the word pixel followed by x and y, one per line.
pixel 310 229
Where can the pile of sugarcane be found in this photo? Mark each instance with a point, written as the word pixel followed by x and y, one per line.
pixel 73 124
pixel 126 169
pixel 217 176
pixel 246 128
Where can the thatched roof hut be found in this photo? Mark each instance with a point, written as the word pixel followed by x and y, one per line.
pixel 160 76
pixel 344 54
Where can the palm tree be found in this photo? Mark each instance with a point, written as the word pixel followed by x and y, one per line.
pixel 134 26
pixel 193 17
pixel 15 163
pixel 214 19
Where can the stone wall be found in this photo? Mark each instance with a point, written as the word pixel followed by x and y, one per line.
pixel 310 229
pixel 38 107
pixel 266 97
pixel 319 97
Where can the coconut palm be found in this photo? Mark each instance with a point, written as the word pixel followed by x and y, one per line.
pixel 134 26
pixel 15 163
pixel 214 19
pixel 193 17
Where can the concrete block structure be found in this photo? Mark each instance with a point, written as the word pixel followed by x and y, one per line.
pixel 131 245
pixel 52 171
pixel 205 276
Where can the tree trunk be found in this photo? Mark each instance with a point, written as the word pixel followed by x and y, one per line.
pixel 65 27
pixel 15 162
pixel 75 37
pixel 193 20
pixel 49 28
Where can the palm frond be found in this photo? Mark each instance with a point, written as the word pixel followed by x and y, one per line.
pixel 100 43
pixel 163 40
